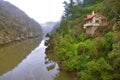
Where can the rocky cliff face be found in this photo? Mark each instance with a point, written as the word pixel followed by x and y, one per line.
pixel 15 24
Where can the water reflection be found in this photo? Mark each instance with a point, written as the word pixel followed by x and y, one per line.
pixel 34 67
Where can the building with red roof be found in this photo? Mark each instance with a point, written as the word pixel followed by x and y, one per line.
pixel 93 21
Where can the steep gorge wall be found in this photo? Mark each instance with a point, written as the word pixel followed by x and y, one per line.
pixel 15 24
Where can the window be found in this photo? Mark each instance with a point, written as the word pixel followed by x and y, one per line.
pixel 96 21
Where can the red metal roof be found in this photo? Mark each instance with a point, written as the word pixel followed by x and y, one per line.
pixel 90 16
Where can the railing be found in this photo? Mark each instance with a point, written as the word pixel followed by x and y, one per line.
pixel 91 24
pixel 94 24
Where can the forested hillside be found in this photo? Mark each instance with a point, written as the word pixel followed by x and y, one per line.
pixel 15 24
pixel 89 57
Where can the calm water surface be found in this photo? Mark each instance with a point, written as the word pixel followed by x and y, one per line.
pixel 34 67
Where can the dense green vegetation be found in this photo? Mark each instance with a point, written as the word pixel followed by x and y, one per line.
pixel 88 57
pixel 15 24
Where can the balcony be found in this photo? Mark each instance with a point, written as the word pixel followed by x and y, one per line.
pixel 94 24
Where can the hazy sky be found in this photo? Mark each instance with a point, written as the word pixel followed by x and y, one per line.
pixel 41 10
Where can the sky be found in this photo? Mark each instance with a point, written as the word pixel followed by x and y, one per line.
pixel 41 10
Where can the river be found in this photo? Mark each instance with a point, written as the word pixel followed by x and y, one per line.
pixel 33 63
pixel 34 67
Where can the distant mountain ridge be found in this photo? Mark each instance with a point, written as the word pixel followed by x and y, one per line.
pixel 49 27
pixel 15 24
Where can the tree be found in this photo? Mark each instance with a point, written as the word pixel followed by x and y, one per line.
pixel 115 6
pixel 71 4
pixel 107 42
pixel 67 7
pixel 79 1
pixel 97 70
pixel 112 9
pixel 91 2
pixel 66 12
pixel 114 60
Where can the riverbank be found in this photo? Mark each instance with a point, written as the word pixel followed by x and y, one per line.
pixel 18 39
pixel 63 74
pixel 14 52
